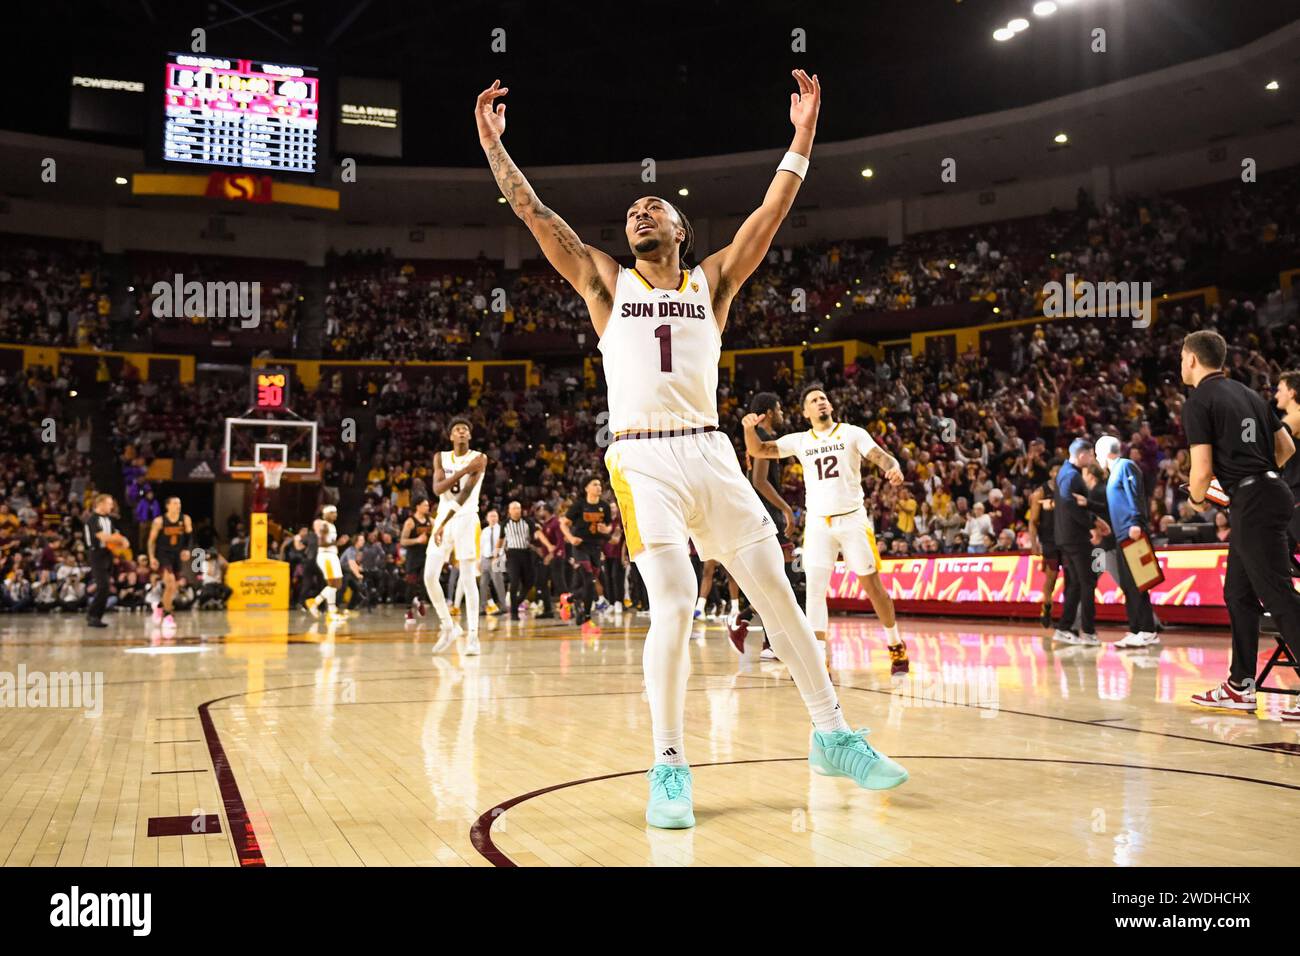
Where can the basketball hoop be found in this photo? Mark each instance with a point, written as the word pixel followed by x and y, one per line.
pixel 272 472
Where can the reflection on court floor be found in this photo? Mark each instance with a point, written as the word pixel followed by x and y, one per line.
pixel 280 740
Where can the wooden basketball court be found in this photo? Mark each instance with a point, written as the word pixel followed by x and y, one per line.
pixel 272 739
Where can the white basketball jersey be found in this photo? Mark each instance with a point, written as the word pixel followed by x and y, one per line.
pixel 326 541
pixel 452 463
pixel 661 350
pixel 832 466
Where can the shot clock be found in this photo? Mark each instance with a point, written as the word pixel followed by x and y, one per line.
pixel 271 389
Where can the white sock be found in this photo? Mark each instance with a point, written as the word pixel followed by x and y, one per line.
pixel 735 606
pixel 760 571
pixel 328 594
pixel 669 581
pixel 699 605
pixel 670 748
pixel 826 715
pixel 892 637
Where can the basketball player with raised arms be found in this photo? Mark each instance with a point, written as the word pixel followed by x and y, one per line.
pixel 674 474
pixel 831 455
pixel 327 559
pixel 457 478
pixel 169 549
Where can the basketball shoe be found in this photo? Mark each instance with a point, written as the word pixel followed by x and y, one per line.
pixel 846 753
pixel 1139 639
pixel 898 662
pixel 671 804
pixel 1228 697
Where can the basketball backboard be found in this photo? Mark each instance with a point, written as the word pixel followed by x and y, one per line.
pixel 250 441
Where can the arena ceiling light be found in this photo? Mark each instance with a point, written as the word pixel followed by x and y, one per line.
pixel 120 180
pixel 868 173
pixel 501 199
pixel 1002 34
pixel 683 191
pixel 1060 138
pixel 1044 8
pixel 1272 86
pixel 1018 24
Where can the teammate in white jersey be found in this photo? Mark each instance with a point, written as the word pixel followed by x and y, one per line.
pixel 457 478
pixel 675 476
pixel 835 520
pixel 327 559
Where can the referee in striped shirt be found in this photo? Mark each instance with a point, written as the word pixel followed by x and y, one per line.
pixel 98 528
pixel 519 554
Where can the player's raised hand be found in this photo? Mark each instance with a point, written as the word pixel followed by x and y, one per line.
pixel 491 119
pixel 894 476
pixel 804 105
pixel 751 420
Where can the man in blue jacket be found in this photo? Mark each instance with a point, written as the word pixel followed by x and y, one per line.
pixel 1127 501
pixel 1074 530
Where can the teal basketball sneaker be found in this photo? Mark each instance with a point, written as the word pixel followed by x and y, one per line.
pixel 670 805
pixel 846 753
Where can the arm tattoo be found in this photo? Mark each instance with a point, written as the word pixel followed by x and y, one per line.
pixel 882 459
pixel 519 194
pixel 512 183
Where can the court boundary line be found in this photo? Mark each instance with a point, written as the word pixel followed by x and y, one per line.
pixel 480 833
pixel 238 823
pixel 248 851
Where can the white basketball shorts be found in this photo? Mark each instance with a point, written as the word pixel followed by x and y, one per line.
pixel 460 539
pixel 825 538
pixel 683 486
pixel 328 562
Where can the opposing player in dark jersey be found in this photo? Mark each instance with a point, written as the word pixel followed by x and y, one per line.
pixel 587 527
pixel 768 405
pixel 169 549
pixel 1042 535
pixel 414 540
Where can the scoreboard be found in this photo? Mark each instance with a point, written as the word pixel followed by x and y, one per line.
pixel 247 113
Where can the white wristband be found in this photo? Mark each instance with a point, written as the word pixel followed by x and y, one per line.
pixel 796 164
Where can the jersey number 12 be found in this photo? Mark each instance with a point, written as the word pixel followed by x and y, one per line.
pixel 827 467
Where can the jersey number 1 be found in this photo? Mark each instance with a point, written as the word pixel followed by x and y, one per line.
pixel 665 336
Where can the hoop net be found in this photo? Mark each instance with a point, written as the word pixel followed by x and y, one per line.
pixel 272 472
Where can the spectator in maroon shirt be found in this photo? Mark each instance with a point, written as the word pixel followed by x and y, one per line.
pixel 1000 511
